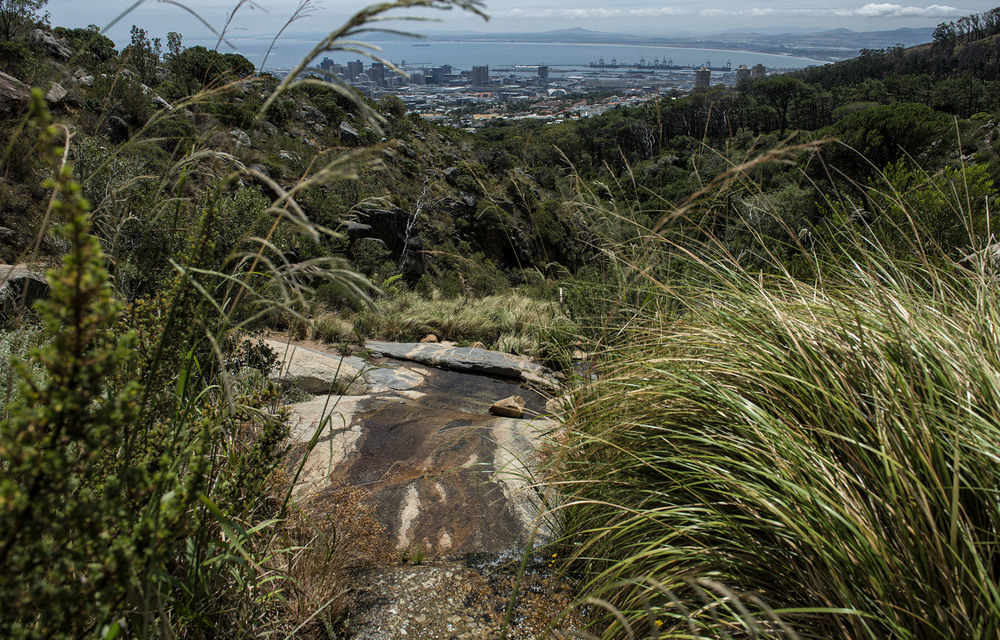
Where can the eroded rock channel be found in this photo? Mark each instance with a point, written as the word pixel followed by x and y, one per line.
pixel 447 480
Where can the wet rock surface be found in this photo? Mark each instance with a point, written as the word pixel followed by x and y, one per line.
pixel 452 487
pixel 445 476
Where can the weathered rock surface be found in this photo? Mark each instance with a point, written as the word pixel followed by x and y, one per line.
pixel 55 94
pixel 19 289
pixel 317 372
pixel 53 46
pixel 161 103
pixel 445 477
pixel 13 94
pixel 468 359
pixel 242 138
pixel 448 486
pixel 348 135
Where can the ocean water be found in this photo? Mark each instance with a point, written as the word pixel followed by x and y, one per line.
pixel 497 54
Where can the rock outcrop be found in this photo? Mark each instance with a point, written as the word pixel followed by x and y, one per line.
pixel 468 359
pixel 53 46
pixel 21 287
pixel 444 476
pixel 13 95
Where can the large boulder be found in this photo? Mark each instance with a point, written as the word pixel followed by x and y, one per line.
pixel 310 112
pixel 13 94
pixel 21 287
pixel 241 137
pixel 56 94
pixel 348 135
pixel 118 129
pixel 53 46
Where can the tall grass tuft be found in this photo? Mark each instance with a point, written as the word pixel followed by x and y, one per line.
pixel 767 456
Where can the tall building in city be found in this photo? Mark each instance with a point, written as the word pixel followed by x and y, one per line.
pixel 758 72
pixel 742 73
pixel 377 74
pixel 543 73
pixel 354 69
pixel 702 78
pixel 480 75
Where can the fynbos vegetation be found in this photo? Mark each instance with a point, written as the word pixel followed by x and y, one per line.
pixel 786 424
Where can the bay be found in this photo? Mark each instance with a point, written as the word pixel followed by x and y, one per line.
pixel 500 54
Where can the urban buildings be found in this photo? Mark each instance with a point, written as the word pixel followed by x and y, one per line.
pixel 480 75
pixel 702 78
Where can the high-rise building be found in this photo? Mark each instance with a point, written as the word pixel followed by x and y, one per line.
pixel 543 73
pixel 702 78
pixel 377 74
pixel 354 69
pixel 437 75
pixel 742 73
pixel 758 72
pixel 480 75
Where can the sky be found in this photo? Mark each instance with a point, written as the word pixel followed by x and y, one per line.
pixel 260 20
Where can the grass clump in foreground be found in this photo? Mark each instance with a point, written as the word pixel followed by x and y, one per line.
pixel 794 459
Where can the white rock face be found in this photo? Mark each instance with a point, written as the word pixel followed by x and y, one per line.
pixel 319 373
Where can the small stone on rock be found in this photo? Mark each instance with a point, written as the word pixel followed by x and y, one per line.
pixel 512 407
pixel 430 339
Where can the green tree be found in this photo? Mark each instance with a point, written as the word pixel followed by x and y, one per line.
pixel 18 16
pixel 143 55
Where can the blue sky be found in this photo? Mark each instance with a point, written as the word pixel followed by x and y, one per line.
pixel 263 18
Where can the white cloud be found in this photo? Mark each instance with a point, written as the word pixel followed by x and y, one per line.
pixel 871 10
pixel 886 10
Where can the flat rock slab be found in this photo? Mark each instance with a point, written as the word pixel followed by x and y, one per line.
pixel 445 477
pixel 470 359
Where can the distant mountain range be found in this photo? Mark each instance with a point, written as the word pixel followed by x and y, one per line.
pixel 836 44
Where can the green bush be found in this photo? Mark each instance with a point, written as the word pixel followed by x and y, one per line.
pixel 14 58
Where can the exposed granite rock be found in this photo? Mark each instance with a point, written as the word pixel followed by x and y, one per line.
pixel 348 135
pixel 19 289
pixel 13 94
pixel 468 359
pixel 161 103
pixel 241 137
pixel 55 94
pixel 445 477
pixel 318 372
pixel 53 46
